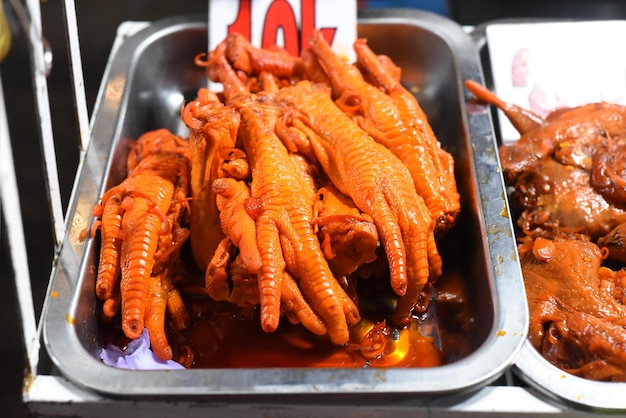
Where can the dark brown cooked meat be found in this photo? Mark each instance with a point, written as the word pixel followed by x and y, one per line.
pixel 587 346
pixel 574 315
pixel 615 243
pixel 590 123
pixel 608 172
pixel 556 197
pixel 568 173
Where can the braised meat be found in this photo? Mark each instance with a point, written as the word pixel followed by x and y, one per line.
pixel 568 177
pixel 564 281
pixel 577 321
pixel 571 136
pixel 615 243
pixel 554 197
pixel 551 167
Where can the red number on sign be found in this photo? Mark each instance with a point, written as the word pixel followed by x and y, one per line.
pixel 279 16
pixel 241 25
pixel 308 24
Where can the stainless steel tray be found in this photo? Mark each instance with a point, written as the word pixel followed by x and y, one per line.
pixel 147 79
pixel 531 367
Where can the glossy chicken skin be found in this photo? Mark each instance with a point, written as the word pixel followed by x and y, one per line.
pixel 292 202
pixel 284 233
pixel 393 118
pixel 310 125
pixel 281 205
pixel 141 221
pixel 347 236
pixel 212 129
pixel 378 183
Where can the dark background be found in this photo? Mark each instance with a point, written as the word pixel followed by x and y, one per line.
pixel 97 24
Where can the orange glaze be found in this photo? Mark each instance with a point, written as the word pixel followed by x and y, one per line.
pixel 228 342
pixel 225 336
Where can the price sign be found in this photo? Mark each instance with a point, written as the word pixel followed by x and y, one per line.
pixel 285 23
pixel 545 66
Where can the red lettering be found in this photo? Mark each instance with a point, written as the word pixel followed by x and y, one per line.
pixel 328 34
pixel 308 24
pixel 280 15
pixel 243 22
pixel 307 21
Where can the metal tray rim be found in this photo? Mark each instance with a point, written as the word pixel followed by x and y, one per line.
pixel 497 353
pixel 565 387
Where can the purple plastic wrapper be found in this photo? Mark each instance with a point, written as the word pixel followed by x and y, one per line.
pixel 137 356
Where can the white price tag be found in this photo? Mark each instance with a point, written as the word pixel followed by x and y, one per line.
pixel 285 23
pixel 546 66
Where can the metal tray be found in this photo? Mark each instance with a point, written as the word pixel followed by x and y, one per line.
pixel 146 80
pixel 554 383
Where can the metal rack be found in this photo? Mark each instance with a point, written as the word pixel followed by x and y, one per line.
pixel 47 393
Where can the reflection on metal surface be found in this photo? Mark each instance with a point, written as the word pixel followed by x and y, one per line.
pixel 113 92
pixel 32 29
pixel 12 215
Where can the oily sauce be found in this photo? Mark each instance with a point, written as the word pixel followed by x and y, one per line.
pixel 225 336
pixel 228 342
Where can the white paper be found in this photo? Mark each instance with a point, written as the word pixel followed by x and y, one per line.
pixel 547 66
pixel 338 17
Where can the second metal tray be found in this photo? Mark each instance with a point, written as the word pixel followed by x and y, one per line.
pixel 552 382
